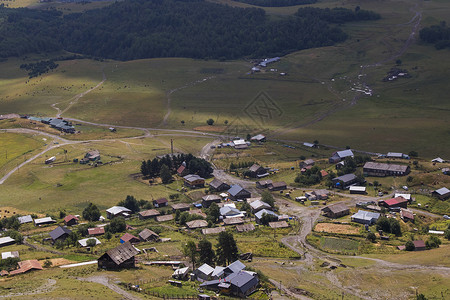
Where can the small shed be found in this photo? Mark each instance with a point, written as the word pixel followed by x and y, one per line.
pixel 123 256
pixel 207 200
pixel 128 237
pixel 336 210
pixel 196 224
pixel 148 214
pixel 161 202
pixel 148 235
pixel 70 220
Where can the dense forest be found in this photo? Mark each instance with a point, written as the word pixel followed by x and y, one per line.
pixel 439 35
pixel 137 29
pixel 277 3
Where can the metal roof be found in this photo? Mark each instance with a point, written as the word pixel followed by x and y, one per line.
pixel 205 269
pixel 83 242
pixel 344 153
pixel 117 210
pixel 147 233
pixel 260 213
pixel 235 189
pixel 442 191
pixel 358 188
pixel 385 167
pixel 229 211
pixel 196 224
pixel 43 220
pixel 259 204
pixel 345 178
pixel 366 215
pixel 25 219
pixel 193 177
pixel 236 266
pixel 6 240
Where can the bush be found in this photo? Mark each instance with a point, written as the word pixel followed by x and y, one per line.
pixel 409 246
pixel 210 122
pixel 116 225
pixel 371 237
pixel 433 242
pixel 91 212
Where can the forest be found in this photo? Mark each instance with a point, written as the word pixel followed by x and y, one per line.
pixel 439 35
pixel 277 3
pixel 138 29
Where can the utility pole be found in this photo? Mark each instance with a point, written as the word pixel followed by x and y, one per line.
pixel 171 146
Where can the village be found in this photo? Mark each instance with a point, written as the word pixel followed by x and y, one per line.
pixel 202 234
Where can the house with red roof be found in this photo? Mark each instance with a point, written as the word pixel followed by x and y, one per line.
pixel 182 170
pixel 394 202
pixel 96 231
pixel 128 237
pixel 71 220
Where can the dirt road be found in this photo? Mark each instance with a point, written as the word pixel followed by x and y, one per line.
pixel 106 282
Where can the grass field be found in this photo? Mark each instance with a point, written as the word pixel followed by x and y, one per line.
pixel 16 145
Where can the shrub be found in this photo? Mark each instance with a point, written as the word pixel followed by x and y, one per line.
pixel 409 246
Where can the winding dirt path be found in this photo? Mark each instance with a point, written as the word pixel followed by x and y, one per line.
pixel 106 282
pixel 45 288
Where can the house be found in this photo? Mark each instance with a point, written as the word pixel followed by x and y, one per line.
pixel 164 218
pixel 277 186
pixel 194 181
pixel 10 254
pixel 25 266
pixel 230 212
pixel 117 211
pixel 365 217
pixel 128 237
pixel 262 184
pixel 438 160
pixel 406 196
pixel 181 273
pixel 60 233
pixel 340 155
pixel 237 192
pixel 397 155
pixel 259 205
pixel 123 256
pixel 240 144
pixel 344 181
pixel 218 272
pixel 196 224
pixel 394 202
pixel 442 193
pixel 261 213
pixel 321 194
pixel 148 235
pixel 214 230
pixel 306 163
pixel 25 219
pixel 256 170
pixel 310 145
pixel 357 190
pixel 323 173
pixel 93 155
pixel 6 241
pixel 419 245
pixel 267 61
pixel 240 284
pixel 83 242
pixel 381 169
pixel 245 227
pixel 336 210
pixel 43 221
pixel 218 185
pixel 180 206
pixel 446 171
pixel 233 221
pixel 197 212
pixel 203 272
pixel 406 214
pixel 182 170
pixel 96 231
pixel 258 138
pixel 207 200
pixel 234 267
pixel 161 202
pixel 70 220
pixel 148 214
pixel 278 224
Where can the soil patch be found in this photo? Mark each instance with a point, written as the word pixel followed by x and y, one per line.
pixel 336 228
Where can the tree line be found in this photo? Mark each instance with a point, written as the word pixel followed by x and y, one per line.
pixel 439 35
pixel 199 29
pixel 277 3
pixel 153 168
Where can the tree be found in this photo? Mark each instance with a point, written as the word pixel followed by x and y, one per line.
pixel 376 183
pixel 248 137
pixel 246 207
pixel 316 142
pixel 91 243
pixel 116 225
pixel 371 237
pixel 207 254
pixel 210 122
pixel 62 214
pixel 268 198
pixel 433 242
pixel 226 249
pixel 267 218
pixel 91 212
pixel 190 250
pixel 413 154
pixel 409 246
pixel 165 175
pixel 421 297
pixel 131 203
pixel 213 213
pixel 447 234
pixel 15 235
pixel 182 122
pixel 47 263
pixel 398 62
pixel 225 122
